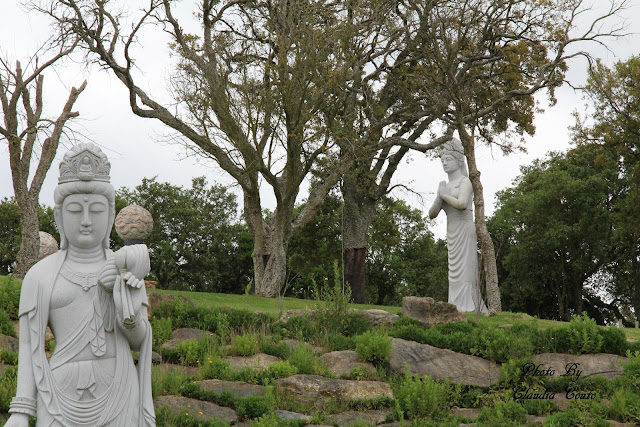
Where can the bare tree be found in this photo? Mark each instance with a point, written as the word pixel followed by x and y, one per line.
pixel 31 139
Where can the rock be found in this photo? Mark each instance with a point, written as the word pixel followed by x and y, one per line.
pixel 257 361
pixel 199 409
pixel 379 317
pixel 155 300
pixel 9 343
pixel 631 340
pixel 48 245
pixel 370 416
pixel 317 389
pixel 237 389
pixel 471 413
pixel 296 313
pixel 150 284
pixel 431 312
pixel 189 371
pixel 605 365
pixel 155 357
pixel 342 362
pixel 560 399
pixel 184 334
pixel 441 364
pixel 505 326
pixel 536 420
pixel 133 223
pixel 619 424
pixel 288 415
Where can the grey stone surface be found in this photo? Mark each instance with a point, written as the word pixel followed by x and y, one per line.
pixel 379 317
pixel 288 415
pixel 134 223
pixel 257 361
pixel 8 343
pixel 371 416
pixel 602 364
pixel 236 388
pixel 198 409
pixel 342 362
pixel 48 245
pixel 317 389
pixel 442 364
pixel 429 311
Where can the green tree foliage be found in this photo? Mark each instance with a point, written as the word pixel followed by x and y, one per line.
pixel 615 93
pixel 403 257
pixel 197 242
pixel 552 231
pixel 11 230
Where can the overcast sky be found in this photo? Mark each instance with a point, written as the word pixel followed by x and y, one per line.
pixel 134 145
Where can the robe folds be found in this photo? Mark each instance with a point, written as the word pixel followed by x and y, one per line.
pixel 106 391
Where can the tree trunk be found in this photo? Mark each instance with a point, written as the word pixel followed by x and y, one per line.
pixel 486 244
pixel 358 215
pixel 30 242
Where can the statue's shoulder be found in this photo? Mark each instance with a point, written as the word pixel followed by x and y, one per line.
pixel 42 273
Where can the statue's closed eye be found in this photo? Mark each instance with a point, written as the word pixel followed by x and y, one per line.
pixel 74 207
pixel 97 207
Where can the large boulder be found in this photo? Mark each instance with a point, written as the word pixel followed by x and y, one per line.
pixel 198 409
pixel 442 364
pixel 9 343
pixel 378 317
pixel 429 311
pixel 342 362
pixel 236 388
pixel 155 300
pixel 369 416
pixel 605 365
pixel 317 389
pixel 257 361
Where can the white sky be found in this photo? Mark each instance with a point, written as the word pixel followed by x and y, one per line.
pixel 131 143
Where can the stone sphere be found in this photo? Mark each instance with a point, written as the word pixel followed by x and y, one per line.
pixel 48 245
pixel 134 223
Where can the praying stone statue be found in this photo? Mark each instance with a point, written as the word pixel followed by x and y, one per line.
pixel 456 199
pixel 95 303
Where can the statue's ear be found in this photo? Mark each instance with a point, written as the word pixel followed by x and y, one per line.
pixel 112 216
pixel 57 215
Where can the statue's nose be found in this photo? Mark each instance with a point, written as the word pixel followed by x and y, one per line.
pixel 86 220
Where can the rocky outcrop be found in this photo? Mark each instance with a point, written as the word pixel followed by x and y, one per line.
pixel 429 311
pixel 378 317
pixel 197 409
pixel 236 388
pixel 371 417
pixel 257 361
pixel 342 362
pixel 603 364
pixel 316 389
pixel 441 364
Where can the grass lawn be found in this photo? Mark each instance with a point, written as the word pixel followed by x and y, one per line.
pixel 272 306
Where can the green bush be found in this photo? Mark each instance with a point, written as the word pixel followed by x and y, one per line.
pixel 631 371
pixel 577 416
pixel 6 327
pixel 189 352
pixel 502 414
pixel 304 359
pixel 8 385
pixel 374 347
pixel 500 345
pixel 164 382
pixel 253 407
pixel 162 329
pixel 10 295
pixel 302 328
pixel 614 340
pixel 8 357
pixel 584 336
pixel 278 349
pixel 416 397
pixel 244 345
pixel 355 324
pixel 272 420
pixel 409 332
pixel 338 342
pixel 625 406
pixel 282 370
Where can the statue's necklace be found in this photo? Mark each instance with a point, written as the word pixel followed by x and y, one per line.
pixel 85 280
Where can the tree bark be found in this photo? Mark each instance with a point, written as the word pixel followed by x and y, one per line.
pixel 30 239
pixel 486 244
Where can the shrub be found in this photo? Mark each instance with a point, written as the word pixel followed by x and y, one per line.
pixel 502 414
pixel 164 382
pixel 625 406
pixel 614 340
pixel 355 324
pixel 189 352
pixel 512 373
pixel 253 407
pixel 8 357
pixel 374 347
pixel 584 336
pixel 409 332
pixel 215 367
pixel 8 385
pixel 282 370
pixel 162 329
pixel 502 345
pixel 576 416
pixel 337 342
pixel 10 295
pixel 272 420
pixel 244 345
pixel 6 327
pixel 304 359
pixel 631 371
pixel 416 397
pixel 280 349
pixel 302 327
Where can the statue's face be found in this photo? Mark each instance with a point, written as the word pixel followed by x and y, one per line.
pixel 85 218
pixel 449 163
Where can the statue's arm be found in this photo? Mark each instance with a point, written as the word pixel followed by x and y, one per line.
pixel 437 203
pixel 24 404
pixel 136 335
pixel 460 202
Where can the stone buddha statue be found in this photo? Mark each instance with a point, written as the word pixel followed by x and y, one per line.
pixel 81 293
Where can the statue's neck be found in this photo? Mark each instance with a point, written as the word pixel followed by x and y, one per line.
pixel 85 256
pixel 455 175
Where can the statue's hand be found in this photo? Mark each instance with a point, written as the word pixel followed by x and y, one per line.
pixel 442 188
pixel 18 420
pixel 127 297
pixel 108 273
pixel 133 258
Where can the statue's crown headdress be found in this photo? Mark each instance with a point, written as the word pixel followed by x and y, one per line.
pixel 84 162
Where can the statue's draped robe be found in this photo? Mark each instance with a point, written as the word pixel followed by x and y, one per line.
pixel 88 392
pixel 462 244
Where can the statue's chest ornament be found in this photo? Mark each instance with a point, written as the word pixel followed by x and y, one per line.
pixel 85 280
